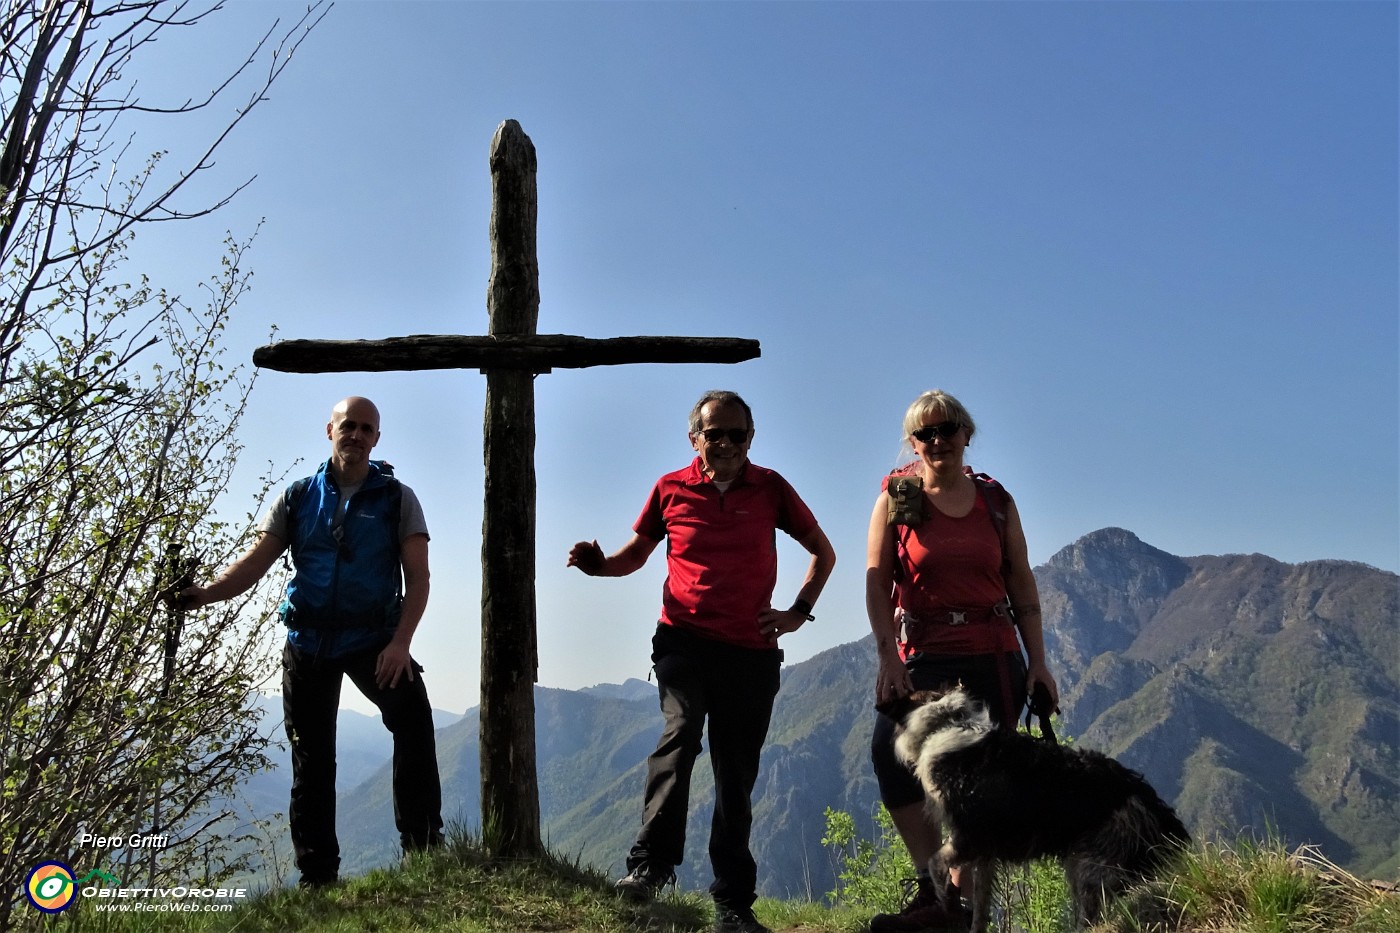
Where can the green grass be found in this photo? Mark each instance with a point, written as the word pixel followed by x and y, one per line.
pixel 455 889
pixel 1253 887
pixel 1247 888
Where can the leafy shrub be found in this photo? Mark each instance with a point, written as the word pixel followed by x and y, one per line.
pixel 873 875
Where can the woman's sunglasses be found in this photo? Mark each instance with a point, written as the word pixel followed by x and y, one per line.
pixel 736 436
pixel 944 429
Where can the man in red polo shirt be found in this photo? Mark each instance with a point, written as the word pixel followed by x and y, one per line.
pixel 715 651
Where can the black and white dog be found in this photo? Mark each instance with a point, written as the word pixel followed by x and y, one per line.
pixel 1005 796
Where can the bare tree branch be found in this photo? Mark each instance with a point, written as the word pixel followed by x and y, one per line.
pixel 118 430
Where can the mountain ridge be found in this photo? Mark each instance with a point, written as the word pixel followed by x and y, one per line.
pixel 1257 696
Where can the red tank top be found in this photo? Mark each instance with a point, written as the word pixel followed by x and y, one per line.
pixel 954 564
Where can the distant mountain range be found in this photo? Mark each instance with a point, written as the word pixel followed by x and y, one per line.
pixel 1261 698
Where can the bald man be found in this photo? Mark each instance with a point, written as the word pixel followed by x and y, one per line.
pixel 359 545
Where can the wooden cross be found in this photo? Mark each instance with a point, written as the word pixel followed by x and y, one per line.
pixel 510 355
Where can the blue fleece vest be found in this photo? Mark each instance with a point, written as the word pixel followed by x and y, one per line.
pixel 347 575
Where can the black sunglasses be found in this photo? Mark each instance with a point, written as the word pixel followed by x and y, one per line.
pixel 944 429
pixel 736 436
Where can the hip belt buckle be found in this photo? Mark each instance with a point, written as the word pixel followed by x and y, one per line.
pixel 956 617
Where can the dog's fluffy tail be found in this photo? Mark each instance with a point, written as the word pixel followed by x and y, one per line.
pixel 1133 846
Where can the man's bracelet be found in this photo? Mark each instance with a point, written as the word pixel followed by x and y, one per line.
pixel 804 607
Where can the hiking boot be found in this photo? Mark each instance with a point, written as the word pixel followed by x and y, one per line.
pixel 645 881
pixel 737 920
pixel 923 912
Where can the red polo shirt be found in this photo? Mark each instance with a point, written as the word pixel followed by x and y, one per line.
pixel 721 557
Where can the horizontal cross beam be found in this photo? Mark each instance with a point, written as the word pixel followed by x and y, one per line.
pixel 530 352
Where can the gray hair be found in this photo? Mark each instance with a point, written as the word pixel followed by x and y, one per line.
pixel 719 397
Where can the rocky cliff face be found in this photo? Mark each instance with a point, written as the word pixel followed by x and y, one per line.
pixel 1099 593
pixel 1261 696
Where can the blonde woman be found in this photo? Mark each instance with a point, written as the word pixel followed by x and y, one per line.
pixel 951 599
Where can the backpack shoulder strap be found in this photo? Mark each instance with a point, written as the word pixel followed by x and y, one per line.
pixel 295 494
pixel 997 499
pixel 907 506
pixel 393 488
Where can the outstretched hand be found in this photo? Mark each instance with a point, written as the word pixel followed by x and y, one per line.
pixel 588 557
pixel 190 597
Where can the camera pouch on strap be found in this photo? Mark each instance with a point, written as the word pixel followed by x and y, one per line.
pixel 907 503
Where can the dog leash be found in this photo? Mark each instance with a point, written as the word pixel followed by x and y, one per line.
pixel 1040 705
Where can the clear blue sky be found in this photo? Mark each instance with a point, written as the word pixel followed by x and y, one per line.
pixel 1151 246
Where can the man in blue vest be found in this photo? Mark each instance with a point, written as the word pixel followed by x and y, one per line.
pixel 359 545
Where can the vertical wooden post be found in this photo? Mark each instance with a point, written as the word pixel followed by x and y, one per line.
pixel 510 797
pixel 510 807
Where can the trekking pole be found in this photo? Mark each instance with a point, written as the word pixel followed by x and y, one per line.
pixel 177 573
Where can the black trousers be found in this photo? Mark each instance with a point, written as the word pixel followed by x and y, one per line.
pixel 310 699
pixel 699 679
